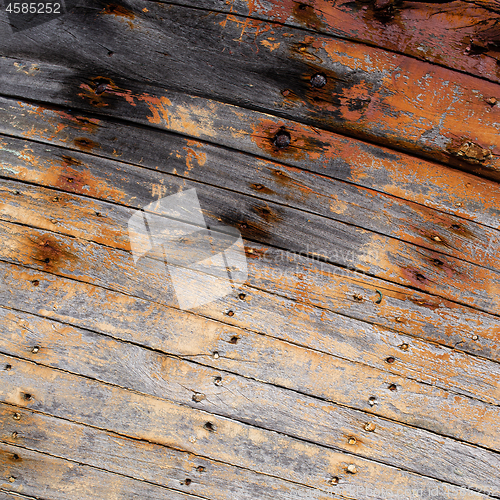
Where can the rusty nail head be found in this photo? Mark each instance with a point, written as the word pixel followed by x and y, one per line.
pixel 242 296
pixel 390 360
pixel 198 396
pixel 352 440
pixel 17 416
pixel 370 427
pixel 334 480
pixel 492 100
pixel 318 80
pixel 282 139
pixel 352 469
pixel 230 313
pixel 102 87
pixel 404 347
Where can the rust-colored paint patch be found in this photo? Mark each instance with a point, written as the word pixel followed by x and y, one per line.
pixel 48 252
pixel 118 11
pixel 307 16
pixel 85 144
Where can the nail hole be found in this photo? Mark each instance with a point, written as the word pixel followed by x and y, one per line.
pixel 187 481
pixel 14 435
pixel 404 347
pixel 15 456
pixel 35 349
pixel 420 277
pixel 318 80
pixel 216 355
pixel 282 139
pixel 334 480
pixel 475 337
pixel 438 262
pixel 242 296
pixel 198 397
pixel 234 340
pixel 352 440
pixel 12 479
pixel 372 401
pixel 230 313
pixel 35 282
pixel 455 226
pixel 393 387
pixel 101 88
pixel 8 367
pixel 16 416
pixel 218 381
pixel 370 427
pixel 47 260
pixel 390 360
pixel 27 396
pixel 110 53
pixel 209 426
pixel 258 187
pixel 200 468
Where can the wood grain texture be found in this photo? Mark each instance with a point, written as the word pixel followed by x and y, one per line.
pixel 256 356
pixel 370 93
pixel 265 180
pixel 144 461
pixel 229 441
pixel 262 312
pixel 434 32
pixel 48 477
pixel 245 400
pixel 330 155
pixel 269 223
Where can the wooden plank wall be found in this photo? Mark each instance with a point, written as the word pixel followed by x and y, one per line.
pixel 360 360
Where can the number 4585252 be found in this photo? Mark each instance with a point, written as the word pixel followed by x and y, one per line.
pixel 34 8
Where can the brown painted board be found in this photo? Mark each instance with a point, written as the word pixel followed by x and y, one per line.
pixel 387 98
pixel 45 476
pixel 262 312
pixel 162 422
pixel 143 460
pixel 332 156
pixel 256 356
pixel 119 182
pixel 272 224
pixel 433 32
pixel 121 363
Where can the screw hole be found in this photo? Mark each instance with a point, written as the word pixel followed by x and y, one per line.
pixel 209 426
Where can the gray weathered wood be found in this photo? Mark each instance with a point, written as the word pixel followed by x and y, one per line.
pixel 256 356
pixel 266 313
pixel 333 156
pixel 269 223
pixel 252 402
pixel 105 406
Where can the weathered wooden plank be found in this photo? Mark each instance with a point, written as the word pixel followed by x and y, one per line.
pixel 143 460
pixel 254 355
pixel 269 223
pixel 403 176
pixel 370 93
pixel 262 312
pixel 434 32
pixel 114 181
pixel 44 476
pixel 252 402
pixel 164 423
pixel 10 495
